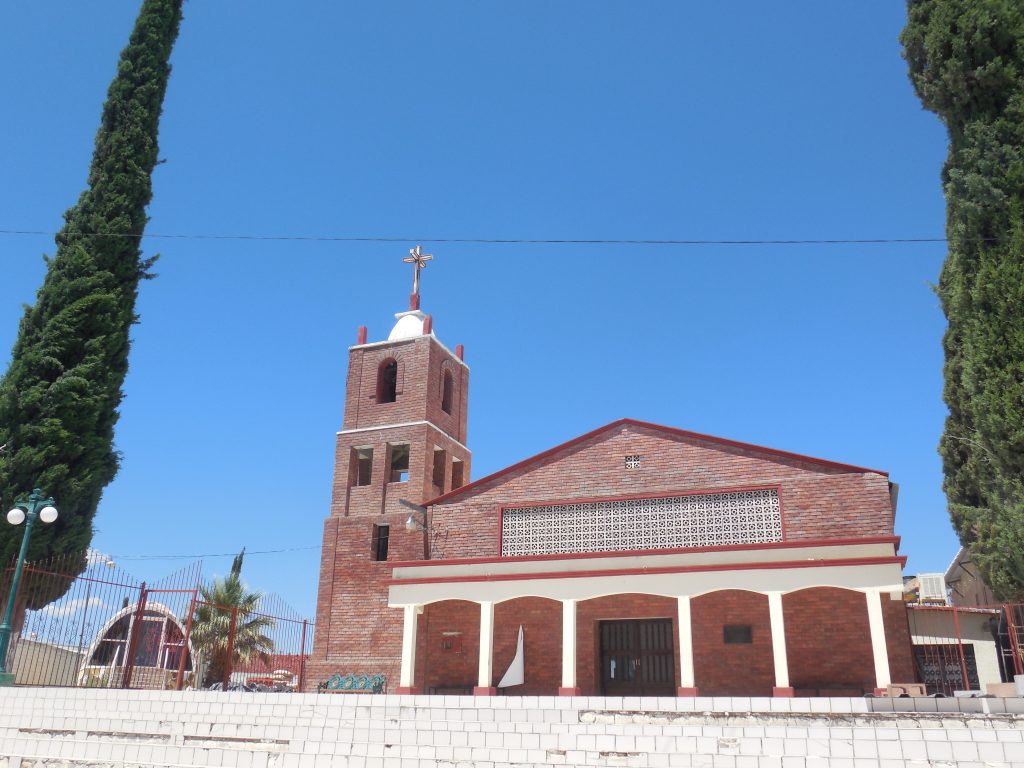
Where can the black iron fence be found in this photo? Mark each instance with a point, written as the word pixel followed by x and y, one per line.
pixel 100 627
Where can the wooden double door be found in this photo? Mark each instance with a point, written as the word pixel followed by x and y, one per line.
pixel 637 658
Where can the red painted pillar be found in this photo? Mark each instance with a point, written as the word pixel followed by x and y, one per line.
pixel 302 657
pixel 133 640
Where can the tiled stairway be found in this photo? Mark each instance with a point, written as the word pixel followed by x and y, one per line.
pixel 49 727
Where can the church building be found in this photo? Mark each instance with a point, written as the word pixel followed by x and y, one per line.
pixel 636 559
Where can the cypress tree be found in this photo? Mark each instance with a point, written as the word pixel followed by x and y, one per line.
pixel 60 395
pixel 966 62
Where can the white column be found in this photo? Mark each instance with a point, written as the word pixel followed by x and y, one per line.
pixel 686 677
pixel 568 645
pixel 407 675
pixel 778 639
pixel 878 646
pixel 485 675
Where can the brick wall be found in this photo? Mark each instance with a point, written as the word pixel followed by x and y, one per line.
pixel 734 669
pixel 355 630
pixel 542 642
pixel 541 619
pixel 441 669
pixel 897 637
pixel 818 501
pixel 421 363
pixel 452 670
pixel 828 642
pixel 542 633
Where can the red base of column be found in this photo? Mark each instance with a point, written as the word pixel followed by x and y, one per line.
pixel 882 692
pixel 687 692
pixel 786 693
pixel 407 690
pixel 478 691
pixel 570 692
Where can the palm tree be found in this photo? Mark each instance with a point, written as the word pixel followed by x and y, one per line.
pixel 211 625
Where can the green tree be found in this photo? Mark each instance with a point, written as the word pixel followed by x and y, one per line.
pixel 211 625
pixel 60 395
pixel 966 61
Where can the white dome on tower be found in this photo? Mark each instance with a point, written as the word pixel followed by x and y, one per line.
pixel 409 325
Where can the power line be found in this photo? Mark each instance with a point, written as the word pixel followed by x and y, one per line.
pixel 497 240
pixel 211 554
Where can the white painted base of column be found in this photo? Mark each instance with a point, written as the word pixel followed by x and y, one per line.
pixel 485 669
pixel 687 682
pixel 568 687
pixel 778 624
pixel 879 647
pixel 407 674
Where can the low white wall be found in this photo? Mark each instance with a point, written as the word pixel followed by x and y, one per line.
pixel 48 727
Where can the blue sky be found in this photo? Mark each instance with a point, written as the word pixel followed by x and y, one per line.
pixel 532 120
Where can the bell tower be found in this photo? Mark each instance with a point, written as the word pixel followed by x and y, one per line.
pixel 402 442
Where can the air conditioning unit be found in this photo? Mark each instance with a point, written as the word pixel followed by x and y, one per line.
pixel 932 588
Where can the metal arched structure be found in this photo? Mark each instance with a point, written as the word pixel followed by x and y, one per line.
pixel 157 652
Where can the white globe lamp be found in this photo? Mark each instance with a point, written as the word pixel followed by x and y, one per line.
pixel 48 514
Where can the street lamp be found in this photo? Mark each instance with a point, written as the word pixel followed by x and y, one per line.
pixel 26 511
pixel 418 521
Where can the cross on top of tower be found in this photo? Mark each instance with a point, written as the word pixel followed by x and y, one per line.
pixel 419 260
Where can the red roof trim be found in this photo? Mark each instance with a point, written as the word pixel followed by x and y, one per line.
pixel 894 540
pixel 853 561
pixel 657 427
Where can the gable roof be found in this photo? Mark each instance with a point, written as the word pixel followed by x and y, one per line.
pixel 672 431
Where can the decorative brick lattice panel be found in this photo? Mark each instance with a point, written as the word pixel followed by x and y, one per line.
pixel 707 520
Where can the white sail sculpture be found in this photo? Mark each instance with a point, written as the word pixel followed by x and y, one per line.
pixel 516 672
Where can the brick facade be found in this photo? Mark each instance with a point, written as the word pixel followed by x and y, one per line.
pixel 355 630
pixel 828 640
pixel 819 500
pixel 448 645
pixel 589 614
pixel 897 638
pixel 736 669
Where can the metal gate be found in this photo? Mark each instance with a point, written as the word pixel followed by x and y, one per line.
pixel 637 658
pixel 99 627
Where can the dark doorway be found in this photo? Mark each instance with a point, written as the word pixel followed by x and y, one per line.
pixel 637 658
